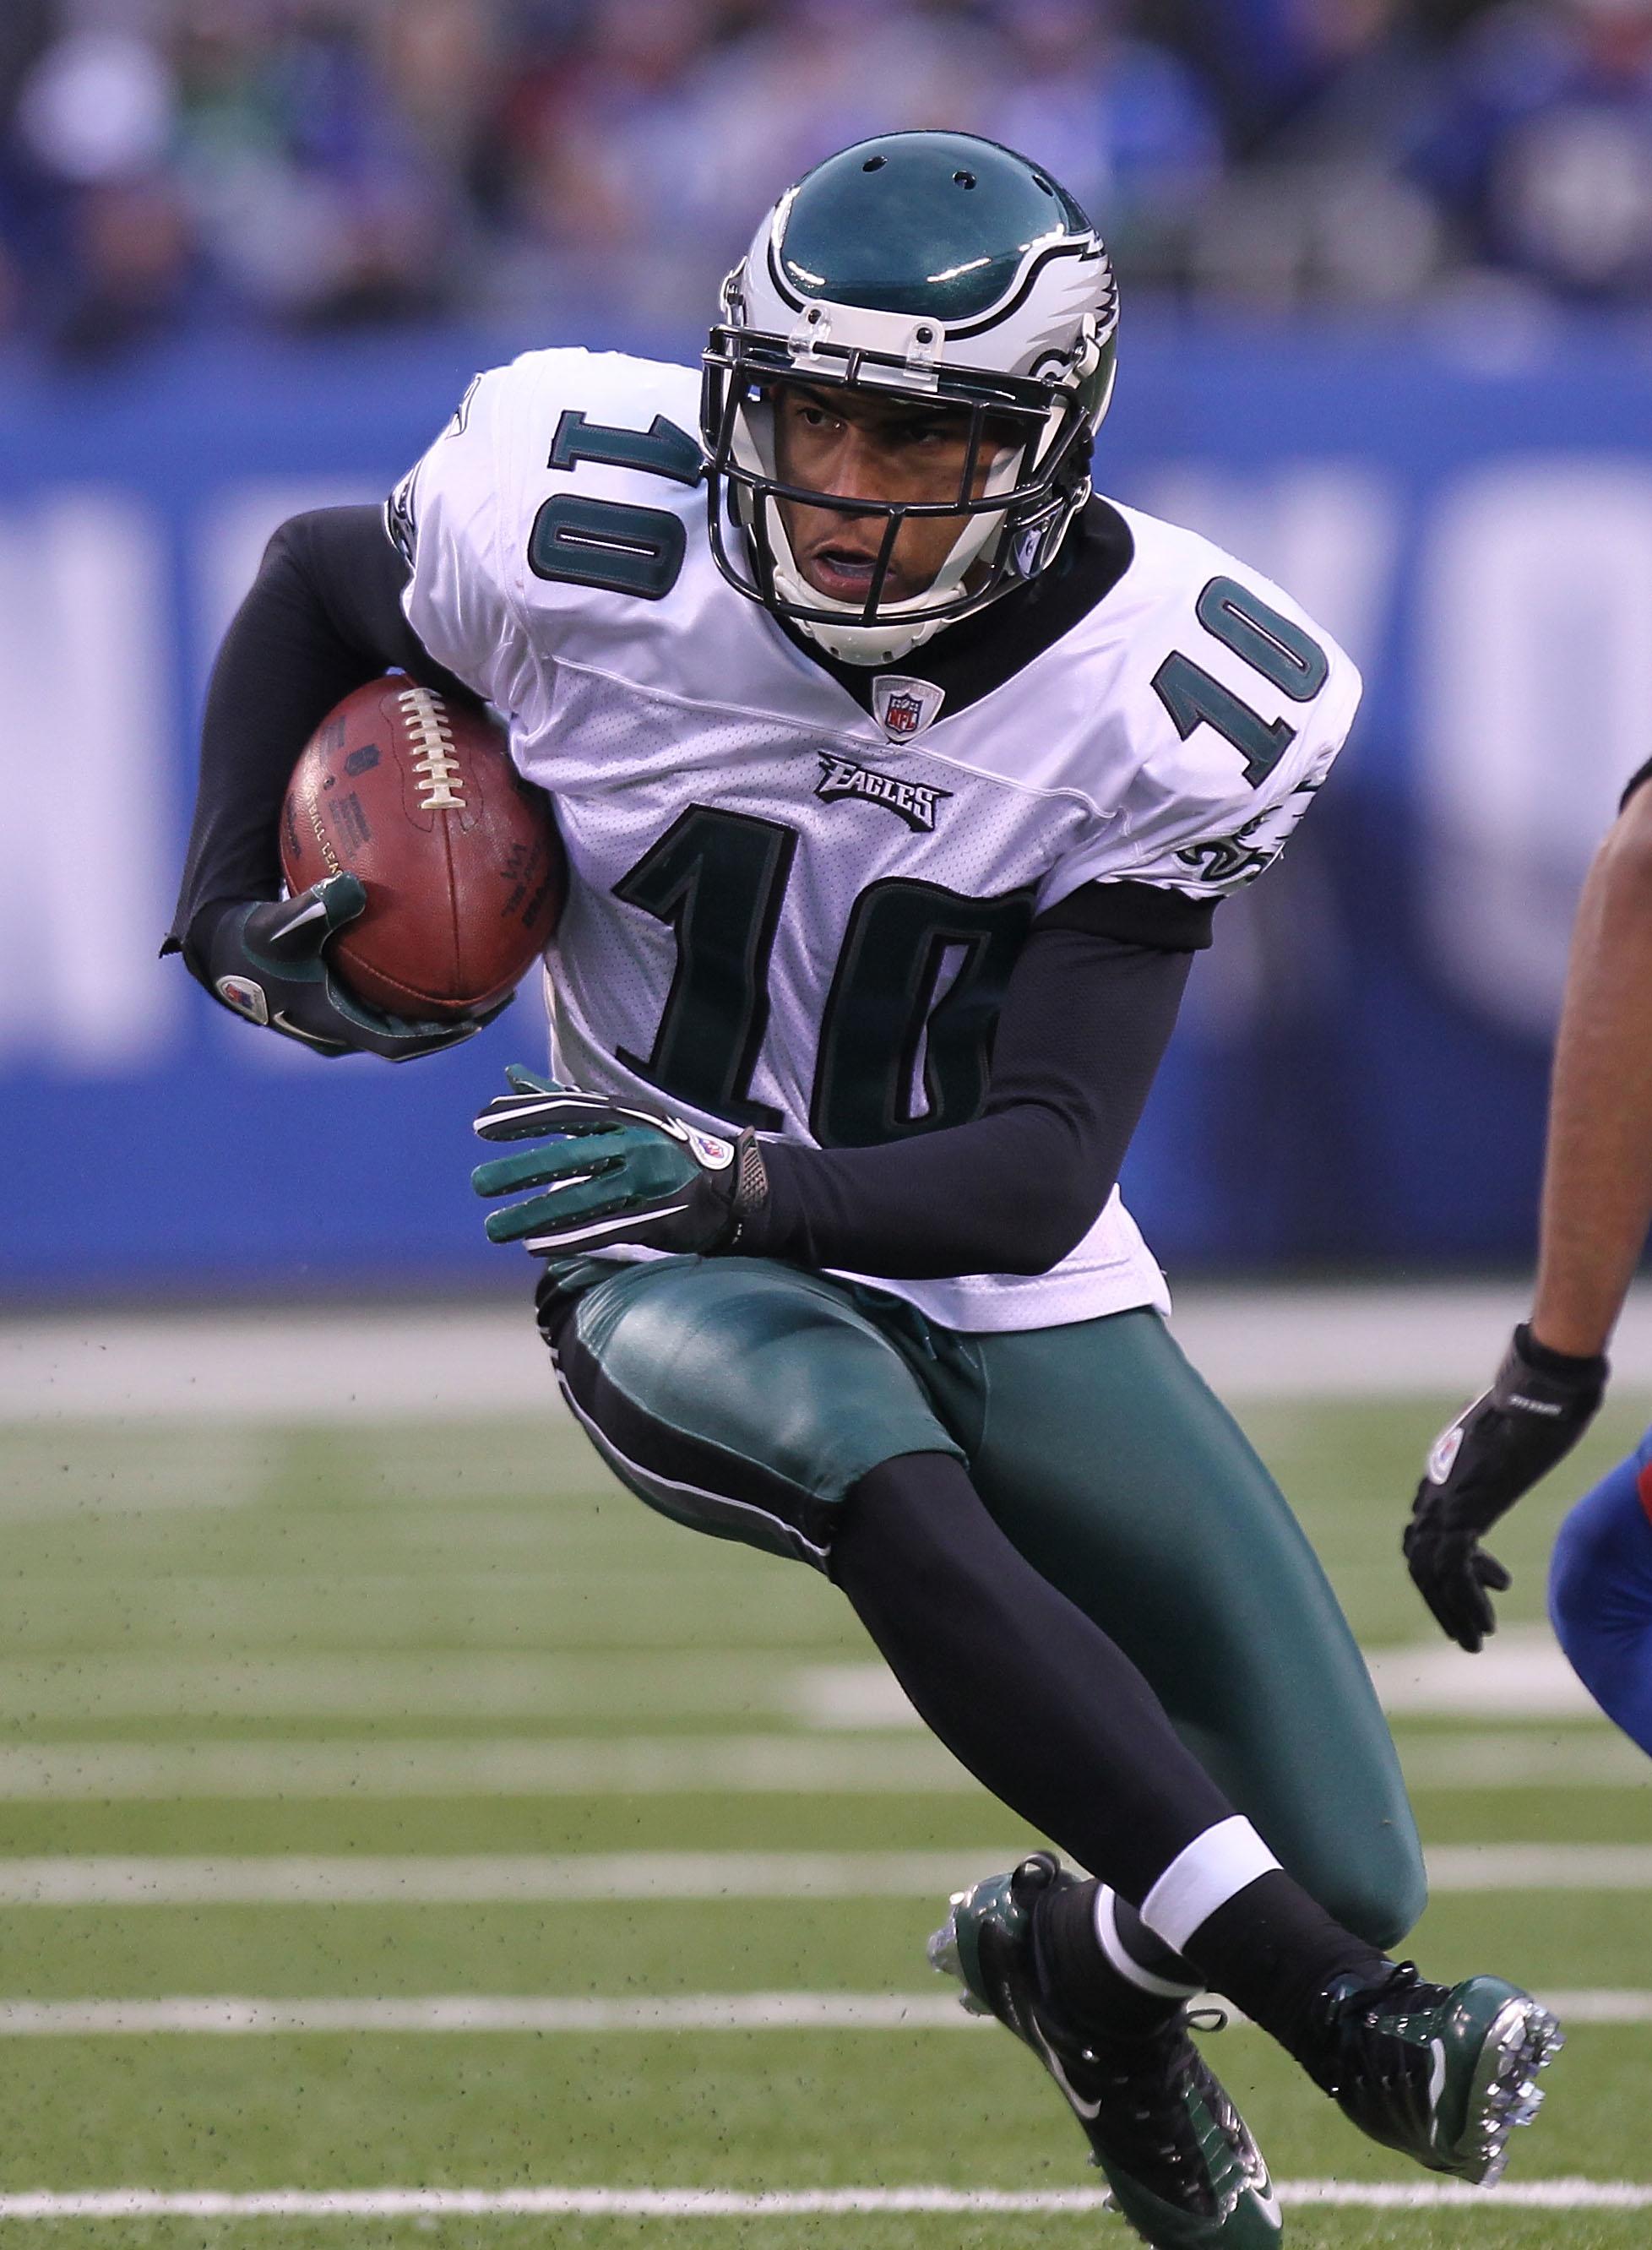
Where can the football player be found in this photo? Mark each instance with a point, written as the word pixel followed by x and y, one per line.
pixel 901 778
pixel 1597 1200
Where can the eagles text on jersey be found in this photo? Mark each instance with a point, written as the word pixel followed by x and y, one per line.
pixel 794 905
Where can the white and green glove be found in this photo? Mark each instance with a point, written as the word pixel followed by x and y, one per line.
pixel 611 1171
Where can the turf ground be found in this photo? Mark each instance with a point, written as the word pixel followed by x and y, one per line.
pixel 355 1720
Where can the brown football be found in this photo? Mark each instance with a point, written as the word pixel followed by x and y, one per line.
pixel 463 868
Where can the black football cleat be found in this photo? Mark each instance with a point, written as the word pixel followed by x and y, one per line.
pixel 1176 2153
pixel 1442 2074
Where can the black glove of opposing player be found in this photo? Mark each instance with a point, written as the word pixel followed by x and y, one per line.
pixel 265 961
pixel 614 1172
pixel 1540 1405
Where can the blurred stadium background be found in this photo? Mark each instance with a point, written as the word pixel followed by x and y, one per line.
pixel 1387 276
pixel 337 1675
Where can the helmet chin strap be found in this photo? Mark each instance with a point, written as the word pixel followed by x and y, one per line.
pixel 868 644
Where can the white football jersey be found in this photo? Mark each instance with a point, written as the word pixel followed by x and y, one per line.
pixel 787 911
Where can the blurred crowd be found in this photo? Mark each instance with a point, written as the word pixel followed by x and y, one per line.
pixel 169 165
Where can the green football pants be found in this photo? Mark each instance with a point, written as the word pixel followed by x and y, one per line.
pixel 747 1398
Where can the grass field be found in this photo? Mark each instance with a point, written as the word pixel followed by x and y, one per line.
pixel 438 1713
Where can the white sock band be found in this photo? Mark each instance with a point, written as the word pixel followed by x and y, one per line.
pixel 1214 1868
pixel 1123 1961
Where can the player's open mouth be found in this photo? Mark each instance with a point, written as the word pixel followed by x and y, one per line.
pixel 845 575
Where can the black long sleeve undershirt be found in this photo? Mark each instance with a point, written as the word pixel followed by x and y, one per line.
pixel 1083 1026
pixel 1090 1008
pixel 324 616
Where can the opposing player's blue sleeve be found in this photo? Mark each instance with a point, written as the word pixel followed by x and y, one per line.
pixel 1601 1595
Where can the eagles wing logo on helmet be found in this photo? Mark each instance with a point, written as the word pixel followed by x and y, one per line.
pixel 933 267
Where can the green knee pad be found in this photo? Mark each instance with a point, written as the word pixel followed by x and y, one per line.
pixel 740 1395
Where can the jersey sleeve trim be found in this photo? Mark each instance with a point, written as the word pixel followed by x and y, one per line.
pixel 1137 914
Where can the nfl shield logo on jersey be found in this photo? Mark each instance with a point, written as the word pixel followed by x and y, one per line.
pixel 904 708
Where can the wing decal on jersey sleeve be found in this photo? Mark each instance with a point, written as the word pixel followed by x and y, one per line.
pixel 1205 825
pixel 1226 863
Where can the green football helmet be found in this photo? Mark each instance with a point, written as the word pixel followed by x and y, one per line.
pixel 938 267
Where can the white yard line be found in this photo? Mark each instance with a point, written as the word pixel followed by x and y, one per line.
pixel 378 1364
pixel 730 2202
pixel 234 2016
pixel 501 1878
pixel 1521 2195
pixel 1604 2006
pixel 741 1765
pixel 1380 1340
pixel 375 1364
pixel 1540 1868
pixel 498 1685
pixel 1522 1676
pixel 505 1879
pixel 1521 1758
pixel 603 1766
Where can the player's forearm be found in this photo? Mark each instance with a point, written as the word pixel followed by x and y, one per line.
pixel 323 616
pixel 1597 1192
pixel 1010 1194
pixel 1085 1024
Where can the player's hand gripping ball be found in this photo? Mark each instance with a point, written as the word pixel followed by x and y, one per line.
pixel 1479 1466
pixel 426 877
pixel 610 1171
pixel 267 959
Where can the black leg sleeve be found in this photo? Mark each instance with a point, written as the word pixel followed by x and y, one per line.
pixel 1040 1705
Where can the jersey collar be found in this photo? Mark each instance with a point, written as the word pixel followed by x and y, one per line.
pixel 970 658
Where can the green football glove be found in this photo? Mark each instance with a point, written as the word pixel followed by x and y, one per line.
pixel 614 1172
pixel 266 959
